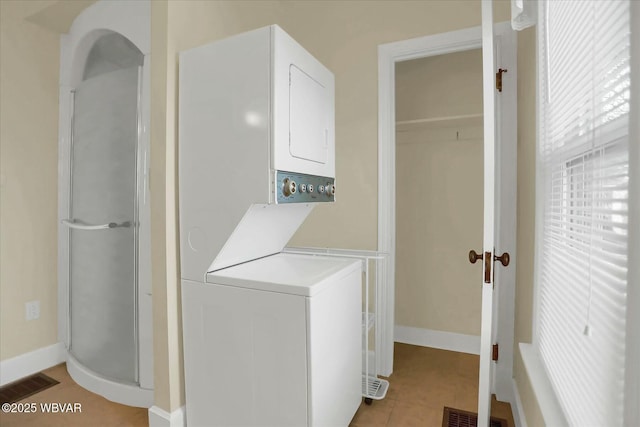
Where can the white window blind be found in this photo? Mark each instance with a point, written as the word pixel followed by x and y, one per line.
pixel 584 92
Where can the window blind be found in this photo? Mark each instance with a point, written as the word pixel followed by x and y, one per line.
pixel 584 91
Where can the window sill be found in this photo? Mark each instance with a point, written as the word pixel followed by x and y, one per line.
pixel 549 405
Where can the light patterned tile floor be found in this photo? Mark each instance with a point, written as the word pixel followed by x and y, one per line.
pixel 424 381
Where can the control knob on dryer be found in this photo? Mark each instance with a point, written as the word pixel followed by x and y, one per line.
pixel 288 187
pixel 330 189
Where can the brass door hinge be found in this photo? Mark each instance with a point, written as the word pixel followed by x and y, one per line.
pixel 499 78
pixel 494 352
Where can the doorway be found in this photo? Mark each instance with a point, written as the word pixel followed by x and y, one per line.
pixel 439 200
pixel 505 190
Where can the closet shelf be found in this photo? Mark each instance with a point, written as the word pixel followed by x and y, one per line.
pixel 440 122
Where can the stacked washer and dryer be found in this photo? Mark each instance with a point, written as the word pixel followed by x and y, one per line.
pixel 270 338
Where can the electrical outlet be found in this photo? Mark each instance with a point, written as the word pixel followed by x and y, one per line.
pixel 32 310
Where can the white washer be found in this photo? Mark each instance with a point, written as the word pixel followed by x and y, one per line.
pixel 274 342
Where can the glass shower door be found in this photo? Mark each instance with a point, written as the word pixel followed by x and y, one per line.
pixel 102 225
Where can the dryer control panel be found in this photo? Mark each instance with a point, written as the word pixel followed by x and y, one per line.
pixel 293 187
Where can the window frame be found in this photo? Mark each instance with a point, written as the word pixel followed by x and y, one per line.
pixel 539 380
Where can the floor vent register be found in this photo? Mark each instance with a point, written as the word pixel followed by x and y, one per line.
pixel 25 387
pixel 459 418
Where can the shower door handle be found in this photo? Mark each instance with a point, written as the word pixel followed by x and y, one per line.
pixel 79 225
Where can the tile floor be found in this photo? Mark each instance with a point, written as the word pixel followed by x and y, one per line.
pixel 424 381
pixel 96 410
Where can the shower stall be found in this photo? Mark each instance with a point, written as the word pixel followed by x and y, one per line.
pixel 104 248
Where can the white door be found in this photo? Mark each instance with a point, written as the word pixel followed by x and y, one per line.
pixel 499 217
pixel 499 193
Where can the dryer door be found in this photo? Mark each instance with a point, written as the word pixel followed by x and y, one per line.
pixel 303 112
pixel 308 125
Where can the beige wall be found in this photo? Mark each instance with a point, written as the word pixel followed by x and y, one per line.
pixel 29 64
pixel 438 214
pixel 526 216
pixel 344 36
pixel 439 87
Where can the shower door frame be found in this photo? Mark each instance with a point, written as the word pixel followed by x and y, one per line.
pixel 97 20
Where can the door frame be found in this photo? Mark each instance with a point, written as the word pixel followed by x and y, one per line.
pixel 504 299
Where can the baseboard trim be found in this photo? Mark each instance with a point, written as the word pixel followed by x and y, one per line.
pixel 158 417
pixel 437 339
pixel 519 418
pixel 30 363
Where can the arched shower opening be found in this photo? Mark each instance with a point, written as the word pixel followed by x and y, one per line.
pixel 104 231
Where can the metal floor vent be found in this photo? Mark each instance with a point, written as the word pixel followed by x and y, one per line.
pixel 459 418
pixel 25 387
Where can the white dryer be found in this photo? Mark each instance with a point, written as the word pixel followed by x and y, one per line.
pixel 256 147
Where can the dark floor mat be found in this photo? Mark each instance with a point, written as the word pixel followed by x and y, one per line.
pixel 459 418
pixel 25 387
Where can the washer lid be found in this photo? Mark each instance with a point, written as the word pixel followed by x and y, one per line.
pixel 286 273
